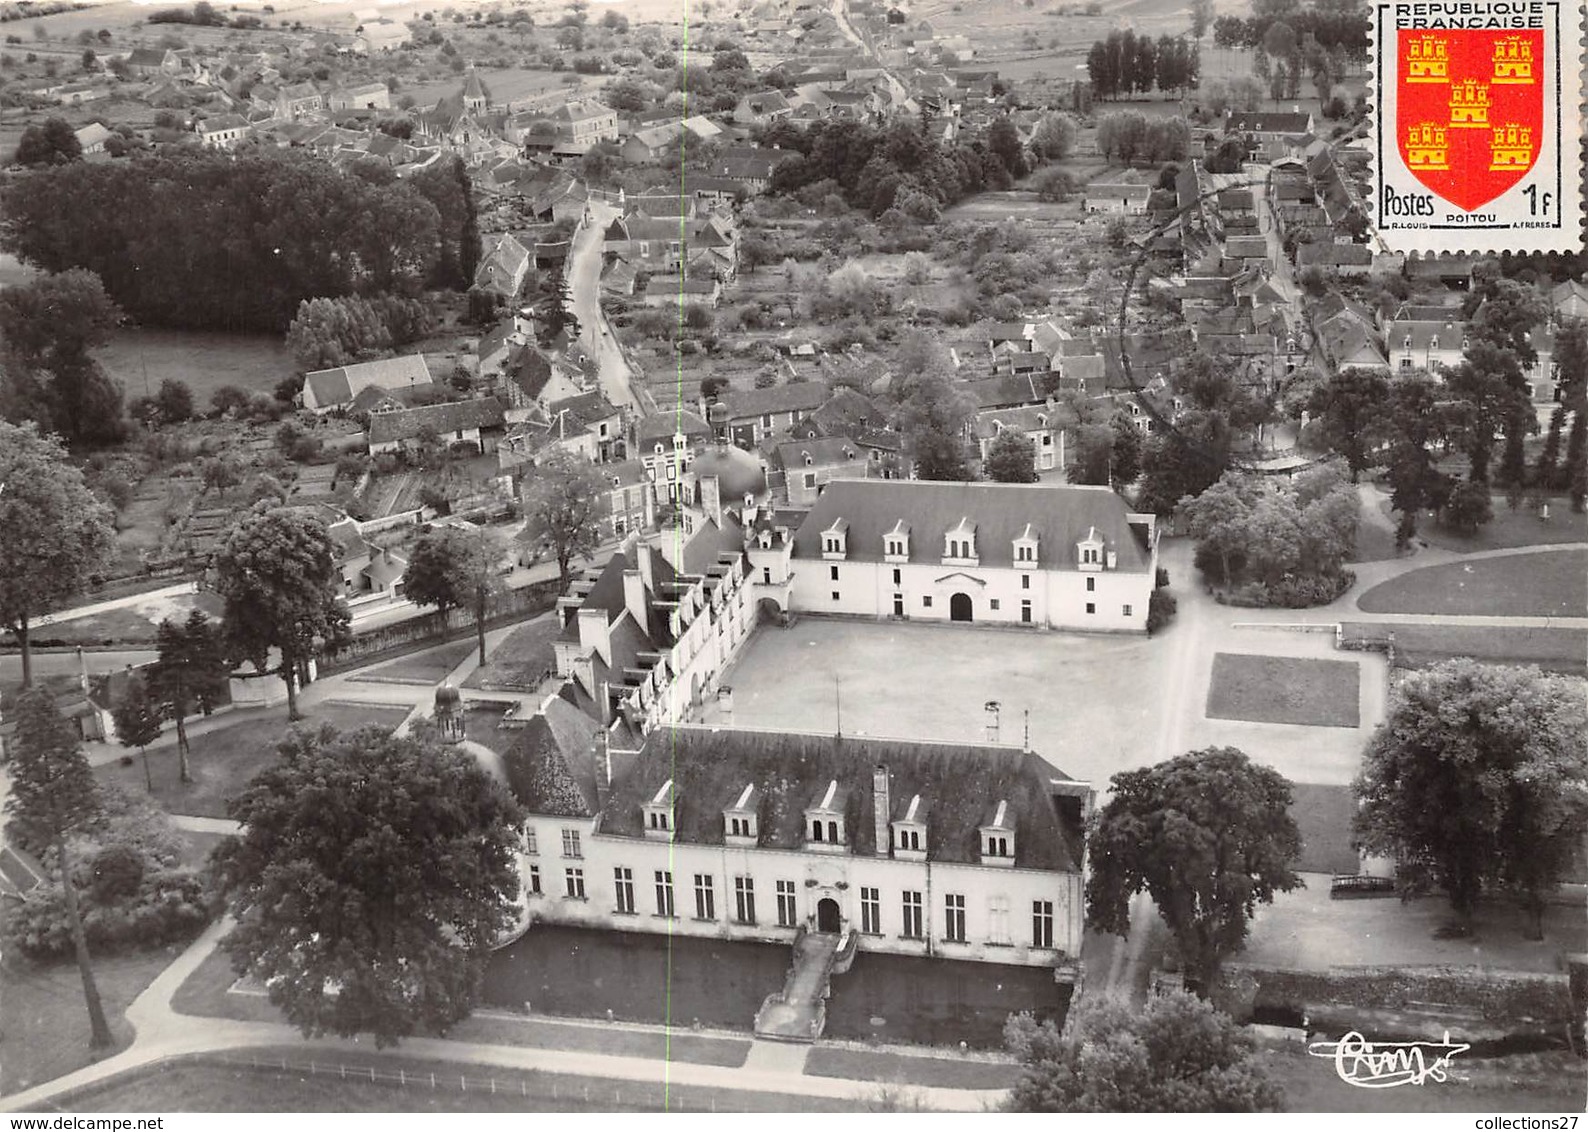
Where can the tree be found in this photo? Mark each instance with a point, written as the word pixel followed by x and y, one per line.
pixel 1507 317
pixel 1576 471
pixel 1478 775
pixel 277 574
pixel 190 674
pixel 1208 836
pixel 1184 460
pixel 1175 1054
pixel 53 142
pixel 1492 393
pixel 1468 506
pixel 1011 458
pixel 1349 408
pixel 1413 424
pixel 450 567
pixel 53 797
pixel 560 511
pixel 1546 471
pixel 1218 520
pixel 370 881
pixel 220 473
pixel 57 534
pixel 137 719
pixel 175 401
pixel 1004 141
pixel 1201 17
pixel 50 326
pixel 1054 138
pixel 939 455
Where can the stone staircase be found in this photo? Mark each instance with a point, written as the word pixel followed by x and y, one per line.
pixel 798 1012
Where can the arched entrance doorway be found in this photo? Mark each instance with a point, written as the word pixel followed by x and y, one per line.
pixel 959 608
pixel 827 917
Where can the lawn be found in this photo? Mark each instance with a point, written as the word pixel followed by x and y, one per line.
pixel 225 760
pixel 136 624
pixel 614 1041
pixel 1276 689
pixel 1526 1083
pixel 203 360
pixel 1508 528
pixel 429 667
pixel 1548 583
pixel 522 661
pixel 45 1023
pixel 1554 649
pixel 905 1069
pixel 1323 815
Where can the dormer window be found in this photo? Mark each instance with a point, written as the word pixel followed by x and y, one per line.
pixel 808 460
pixel 896 543
pixel 1089 551
pixel 741 820
pixel 835 540
pixel 660 813
pixel 1025 545
pixel 998 837
pixel 824 821
pixel 909 832
pixel 959 543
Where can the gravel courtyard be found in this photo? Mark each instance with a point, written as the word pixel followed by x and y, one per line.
pixel 1096 702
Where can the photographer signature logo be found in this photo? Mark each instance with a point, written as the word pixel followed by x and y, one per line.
pixel 1384 1065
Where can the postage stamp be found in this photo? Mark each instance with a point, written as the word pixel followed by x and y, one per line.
pixel 1478 109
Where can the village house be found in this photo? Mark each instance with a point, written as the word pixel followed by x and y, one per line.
pixel 1345 260
pixel 761 107
pixel 1270 133
pixel 504 265
pixel 652 143
pixel 1056 557
pixel 673 290
pixel 625 500
pixel 376 35
pixel 530 380
pixel 753 415
pixel 1415 344
pixel 149 62
pixel 667 444
pixel 298 101
pixel 328 389
pixel 1125 200
pixel 1044 426
pixel 364 567
pixel 92 138
pixel 365 96
pixel 808 466
pixel 586 121
pixel 476 424
pixel 225 131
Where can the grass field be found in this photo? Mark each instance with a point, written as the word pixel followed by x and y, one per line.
pixel 428 667
pixel 1548 583
pixel 204 360
pixel 1323 815
pixel 1558 650
pixel 225 760
pixel 1508 528
pixel 133 624
pixel 1274 689
pixel 903 1069
pixel 522 660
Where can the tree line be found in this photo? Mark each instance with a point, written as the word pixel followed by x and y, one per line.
pixel 1339 24
pixel 193 240
pixel 1127 63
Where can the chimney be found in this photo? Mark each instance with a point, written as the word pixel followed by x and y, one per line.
pixel 642 558
pixel 603 769
pixel 594 633
pixel 634 596
pixel 884 809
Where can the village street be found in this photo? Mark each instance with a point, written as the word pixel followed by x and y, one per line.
pixel 584 283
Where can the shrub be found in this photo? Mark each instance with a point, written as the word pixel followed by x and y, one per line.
pixel 1291 592
pixel 1161 609
pixel 117 872
pixel 1161 580
pixel 166 905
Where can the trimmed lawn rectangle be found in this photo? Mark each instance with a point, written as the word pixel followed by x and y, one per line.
pixel 1323 814
pixel 521 661
pixel 225 760
pixel 1546 583
pixel 429 667
pixel 1279 689
pixel 1416 645
pixel 613 1041
pixel 904 1069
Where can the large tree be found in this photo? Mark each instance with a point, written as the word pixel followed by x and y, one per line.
pixel 52 142
pixel 1349 408
pixel 561 512
pixel 277 574
pixel 1208 836
pixel 372 877
pixel 137 719
pixel 1413 425
pixel 57 534
pixel 1479 776
pixel 1507 316
pixel 189 675
pixel 1175 1054
pixel 1491 397
pixel 449 567
pixel 50 327
pixel 52 798
pixel 1011 458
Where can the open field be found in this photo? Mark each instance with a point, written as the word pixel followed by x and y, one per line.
pixel 225 760
pixel 1272 689
pixel 1548 583
pixel 1508 528
pixel 1557 650
pixel 204 360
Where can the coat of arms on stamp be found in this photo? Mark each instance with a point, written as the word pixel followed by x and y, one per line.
pixel 1478 112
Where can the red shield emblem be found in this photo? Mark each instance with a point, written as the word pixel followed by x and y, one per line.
pixel 1469 110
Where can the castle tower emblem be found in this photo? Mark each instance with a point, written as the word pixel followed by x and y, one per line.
pixel 1428 59
pixel 1427 147
pixel 1513 60
pixel 1512 148
pixel 1469 105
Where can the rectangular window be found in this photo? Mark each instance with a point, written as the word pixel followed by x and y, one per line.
pixel 832 572
pixel 766 575
pixel 810 480
pixel 744 899
pixel 1025 581
pixel 954 918
pixel 570 843
pixel 664 893
pixel 926 601
pixel 897 576
pixel 530 847
pixel 998 919
pixel 1042 923
pixel 1091 584
pixel 623 885
pixel 575 882
pixel 836 596
pixel 993 605
pixel 871 911
pixel 534 880
pixel 705 898
pixel 1091 607
pixel 912 916
pixel 1025 612
pixel 1125 610
pixel 787 910
pixel 898 605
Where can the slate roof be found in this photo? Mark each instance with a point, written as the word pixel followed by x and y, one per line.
pixel 1117 191
pixel 405 424
pixel 823 451
pixel 372 397
pixel 791 771
pixel 1334 255
pixel 337 386
pixel 1025 418
pixel 1246 247
pixel 1008 389
pixel 804 396
pixel 1422 333
pixel 551 764
pixel 1062 516
pixel 661 426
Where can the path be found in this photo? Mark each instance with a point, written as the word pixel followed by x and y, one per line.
pixel 584 281
pixel 147 597
pixel 162 1033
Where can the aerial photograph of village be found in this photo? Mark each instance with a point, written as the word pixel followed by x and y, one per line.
pixel 834 556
